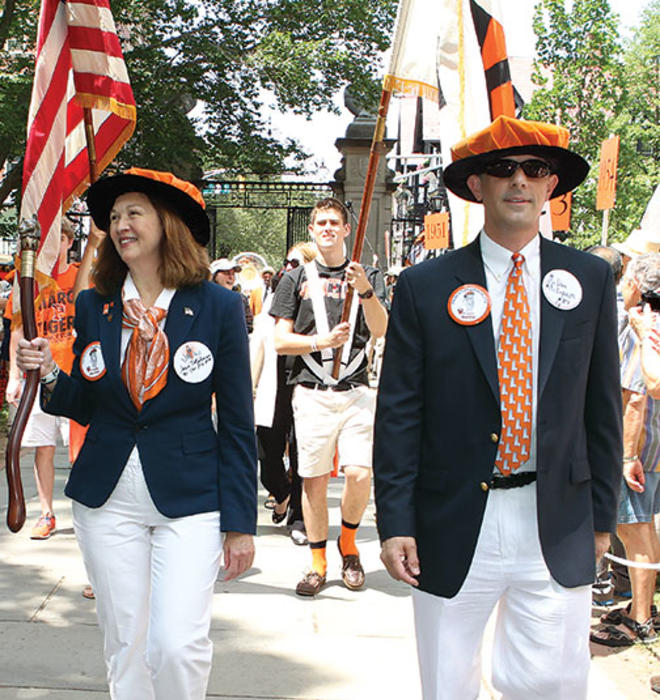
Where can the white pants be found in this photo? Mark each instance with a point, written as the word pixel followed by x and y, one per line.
pixel 153 578
pixel 541 646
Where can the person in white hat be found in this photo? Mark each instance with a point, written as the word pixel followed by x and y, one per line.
pixel 223 272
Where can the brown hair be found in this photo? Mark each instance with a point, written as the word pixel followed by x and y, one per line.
pixel 184 262
pixel 68 229
pixel 329 203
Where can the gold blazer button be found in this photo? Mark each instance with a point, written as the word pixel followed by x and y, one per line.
pixel 494 437
pixel 484 486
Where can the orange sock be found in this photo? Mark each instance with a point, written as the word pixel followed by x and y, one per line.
pixel 347 538
pixel 319 561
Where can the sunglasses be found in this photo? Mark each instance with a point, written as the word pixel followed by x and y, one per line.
pixel 505 167
pixel 293 263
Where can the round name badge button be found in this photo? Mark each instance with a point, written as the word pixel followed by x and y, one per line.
pixel 469 304
pixel 562 289
pixel 193 362
pixel 92 364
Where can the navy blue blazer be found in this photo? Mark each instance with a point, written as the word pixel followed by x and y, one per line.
pixel 187 466
pixel 438 419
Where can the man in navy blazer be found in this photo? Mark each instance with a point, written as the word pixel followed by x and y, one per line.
pixel 465 536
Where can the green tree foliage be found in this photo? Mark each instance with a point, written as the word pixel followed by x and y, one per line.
pixel 579 69
pixel 595 86
pixel 260 231
pixel 639 123
pixel 231 55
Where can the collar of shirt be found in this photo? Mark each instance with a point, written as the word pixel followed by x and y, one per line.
pixel 129 291
pixel 498 259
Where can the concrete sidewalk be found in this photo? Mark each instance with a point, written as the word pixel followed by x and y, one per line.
pixel 269 643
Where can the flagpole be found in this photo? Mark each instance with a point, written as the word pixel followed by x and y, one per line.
pixel 91 145
pixel 30 236
pixel 365 206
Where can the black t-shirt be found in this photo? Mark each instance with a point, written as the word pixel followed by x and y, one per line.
pixel 292 301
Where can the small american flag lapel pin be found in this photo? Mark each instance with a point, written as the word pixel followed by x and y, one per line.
pixel 188 311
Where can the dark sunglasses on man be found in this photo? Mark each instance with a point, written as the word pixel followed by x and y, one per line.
pixel 292 263
pixel 506 167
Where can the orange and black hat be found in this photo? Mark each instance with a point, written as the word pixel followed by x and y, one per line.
pixel 180 195
pixel 507 136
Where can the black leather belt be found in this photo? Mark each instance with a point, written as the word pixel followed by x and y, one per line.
pixel 513 481
pixel 327 387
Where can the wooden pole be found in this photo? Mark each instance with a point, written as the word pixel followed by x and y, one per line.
pixel 30 237
pixel 367 196
pixel 91 145
pixel 606 224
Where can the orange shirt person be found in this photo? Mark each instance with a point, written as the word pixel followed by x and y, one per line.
pixel 54 313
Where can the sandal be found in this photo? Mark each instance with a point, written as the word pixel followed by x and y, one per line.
pixel 611 636
pixel 279 517
pixel 644 631
pixel 269 503
pixel 616 616
pixel 88 592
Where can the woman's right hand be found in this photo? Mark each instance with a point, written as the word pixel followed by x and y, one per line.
pixel 34 354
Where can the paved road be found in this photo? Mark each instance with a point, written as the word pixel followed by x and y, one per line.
pixel 269 643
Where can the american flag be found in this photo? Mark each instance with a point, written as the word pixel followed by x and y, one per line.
pixel 79 64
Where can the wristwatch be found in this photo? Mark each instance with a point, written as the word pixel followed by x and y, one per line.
pixel 51 376
pixel 366 295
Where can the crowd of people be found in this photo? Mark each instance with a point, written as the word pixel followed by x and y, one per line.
pixel 502 455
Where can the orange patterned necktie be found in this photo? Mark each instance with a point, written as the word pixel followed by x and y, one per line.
pixel 144 371
pixel 514 370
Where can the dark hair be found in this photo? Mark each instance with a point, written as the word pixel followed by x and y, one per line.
pixel 184 261
pixel 329 203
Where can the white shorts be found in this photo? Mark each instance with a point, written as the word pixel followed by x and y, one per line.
pixel 42 429
pixel 329 420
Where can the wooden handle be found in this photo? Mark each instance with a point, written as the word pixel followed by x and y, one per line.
pixel 365 208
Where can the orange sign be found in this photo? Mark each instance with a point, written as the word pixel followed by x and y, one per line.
pixel 436 230
pixel 609 159
pixel 560 212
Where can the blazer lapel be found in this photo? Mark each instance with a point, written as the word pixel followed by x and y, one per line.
pixel 110 333
pixel 110 337
pixel 470 269
pixel 183 311
pixel 552 319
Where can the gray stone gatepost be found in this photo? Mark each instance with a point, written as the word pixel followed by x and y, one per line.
pixel 349 184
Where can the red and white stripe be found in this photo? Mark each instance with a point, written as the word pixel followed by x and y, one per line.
pixel 79 63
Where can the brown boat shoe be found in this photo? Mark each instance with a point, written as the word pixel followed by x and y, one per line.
pixel 310 584
pixel 352 573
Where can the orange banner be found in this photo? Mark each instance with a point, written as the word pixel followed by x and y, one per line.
pixel 609 158
pixel 436 230
pixel 560 212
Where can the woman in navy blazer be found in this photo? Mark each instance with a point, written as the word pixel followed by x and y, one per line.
pixel 155 484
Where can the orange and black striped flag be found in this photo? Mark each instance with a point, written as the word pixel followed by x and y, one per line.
pixel 490 35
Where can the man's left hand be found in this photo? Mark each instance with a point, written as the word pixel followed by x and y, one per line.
pixel 357 278
pixel 238 554
pixel 602 541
